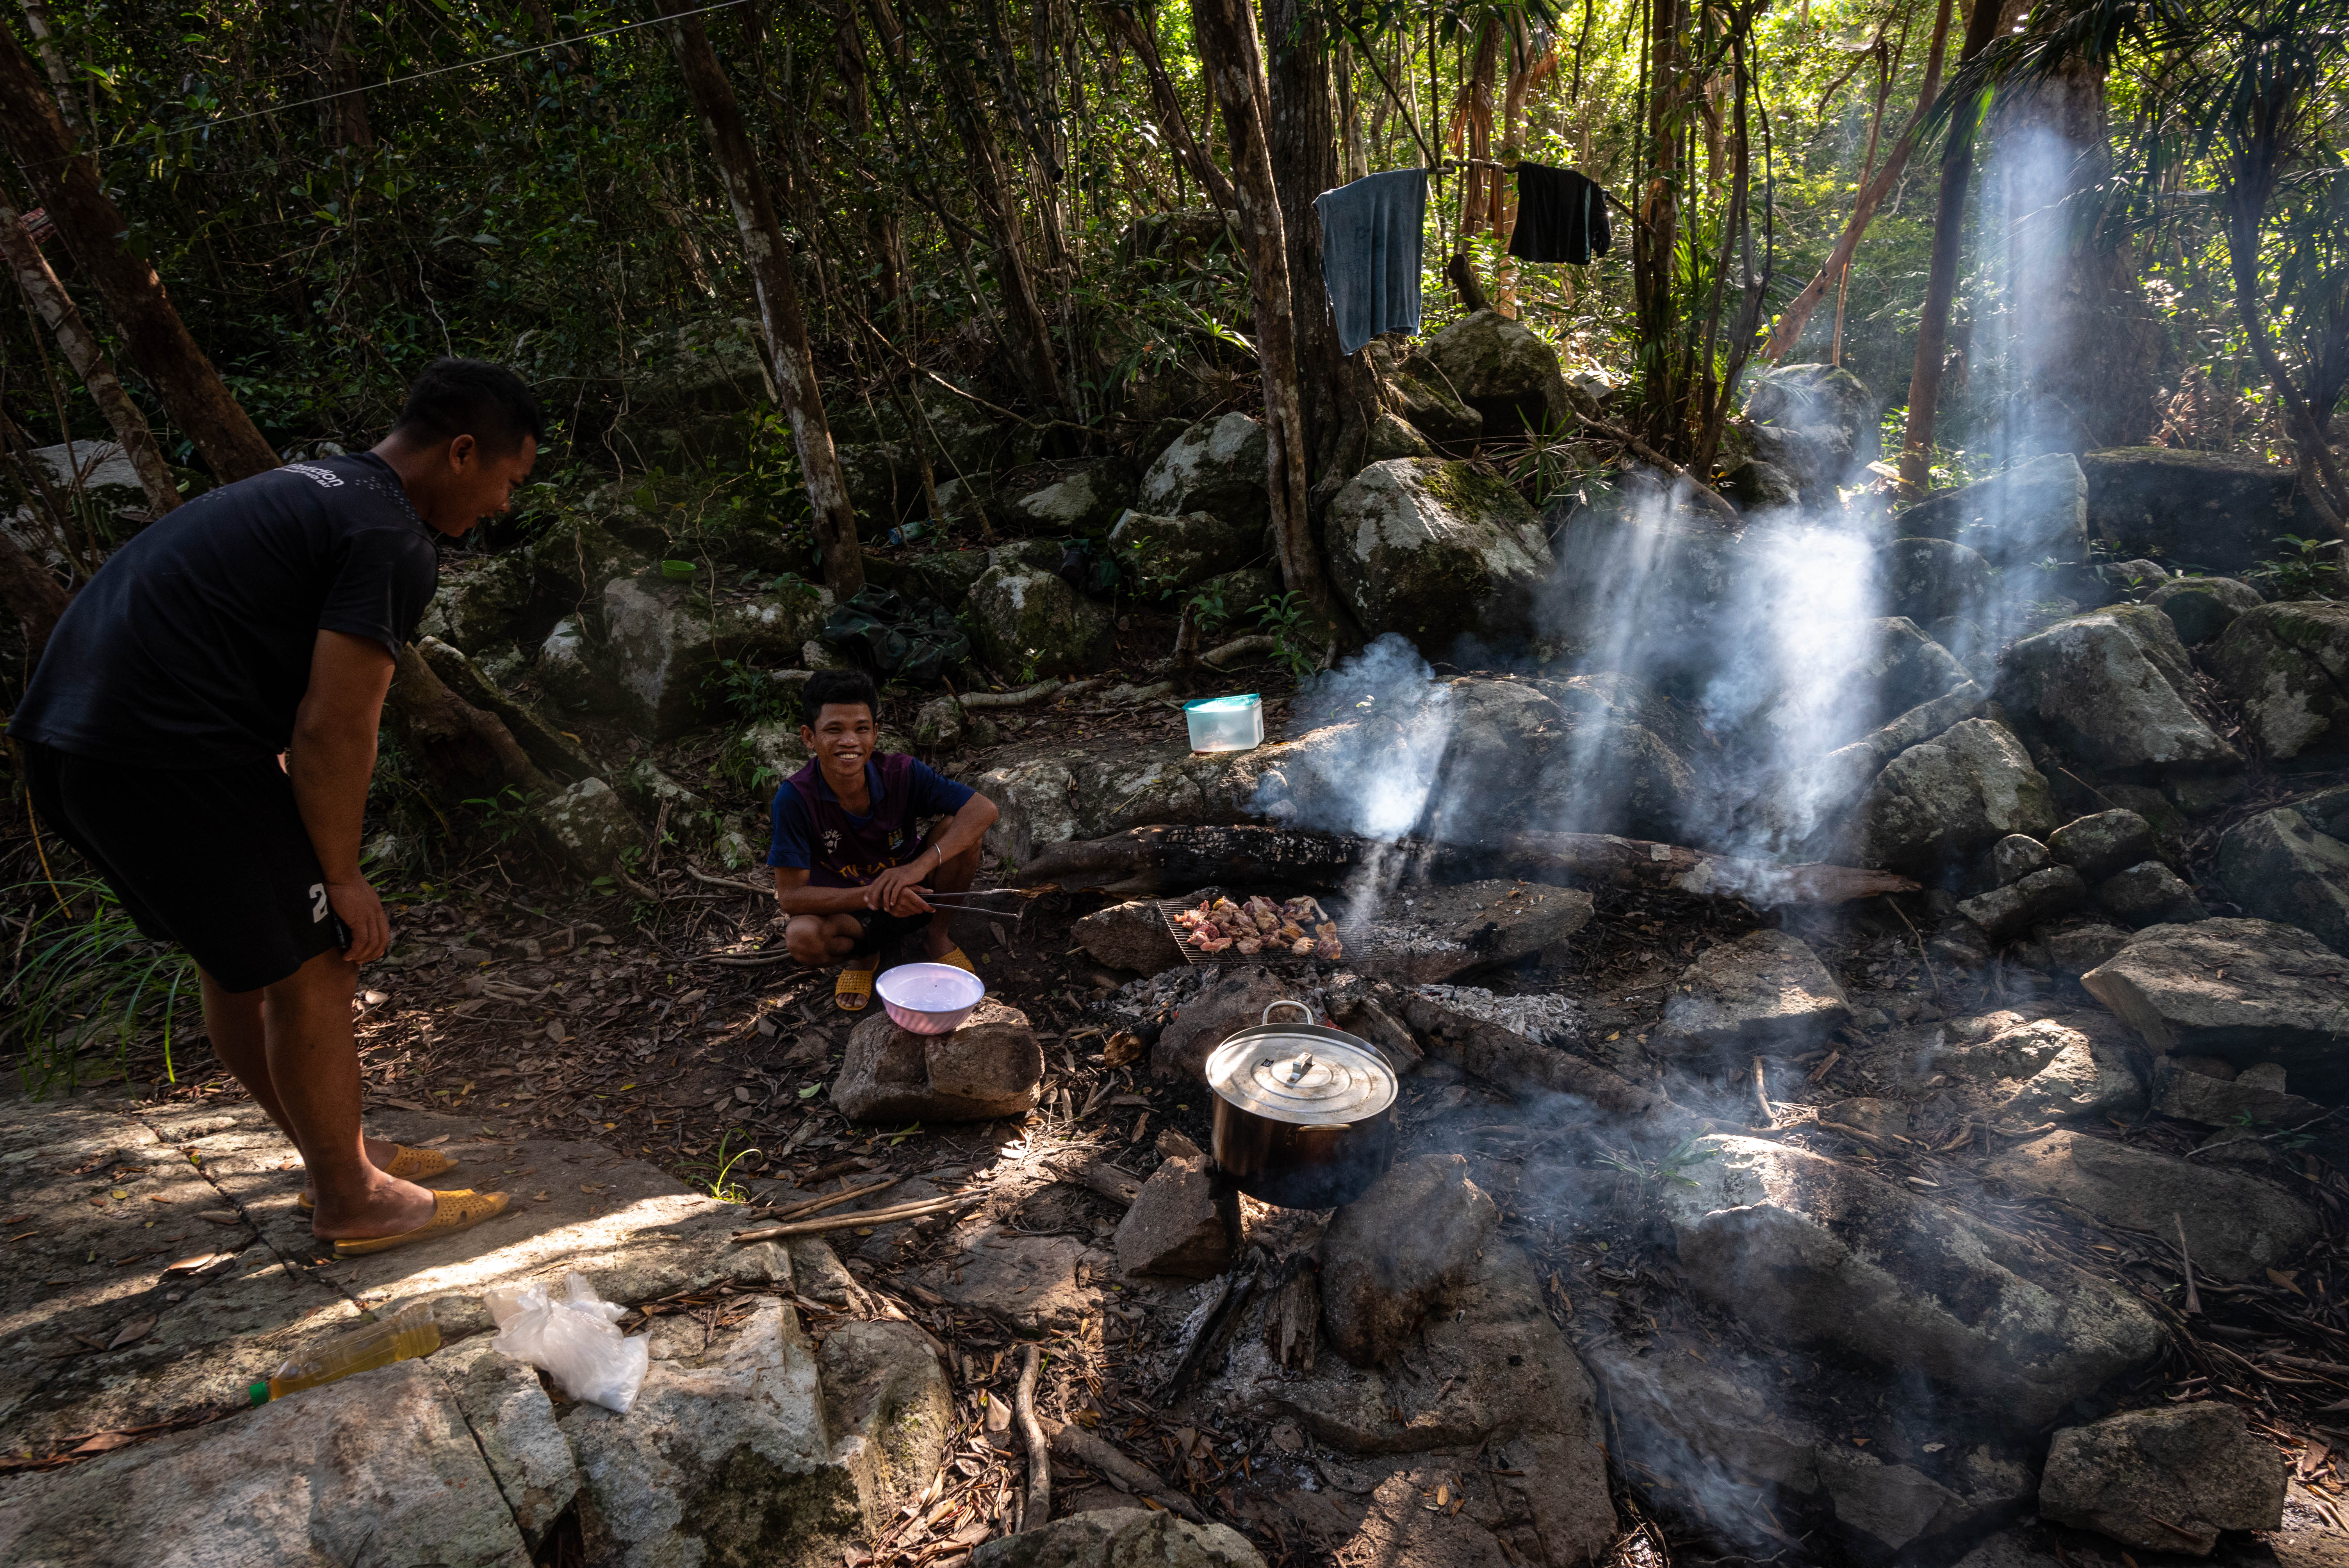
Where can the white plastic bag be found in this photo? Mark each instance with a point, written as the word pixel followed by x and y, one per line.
pixel 574 1340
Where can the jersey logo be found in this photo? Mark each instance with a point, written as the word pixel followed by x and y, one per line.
pixel 317 903
pixel 831 842
pixel 316 476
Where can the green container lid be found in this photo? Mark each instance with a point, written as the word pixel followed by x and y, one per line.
pixel 679 570
pixel 258 1393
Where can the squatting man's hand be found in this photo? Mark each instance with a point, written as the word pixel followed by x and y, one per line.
pixel 898 891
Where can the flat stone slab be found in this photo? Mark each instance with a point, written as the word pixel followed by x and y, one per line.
pixel 1766 992
pixel 291 1482
pixel 1031 1280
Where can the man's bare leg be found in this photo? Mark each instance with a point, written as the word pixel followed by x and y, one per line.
pixel 233 1020
pixel 312 1069
pixel 955 876
pixel 817 940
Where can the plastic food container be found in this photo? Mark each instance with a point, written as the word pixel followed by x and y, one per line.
pixel 1225 723
pixel 929 998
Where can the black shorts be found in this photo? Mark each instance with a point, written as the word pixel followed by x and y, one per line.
pixel 882 928
pixel 215 859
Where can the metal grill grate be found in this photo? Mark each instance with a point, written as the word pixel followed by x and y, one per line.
pixel 1351 937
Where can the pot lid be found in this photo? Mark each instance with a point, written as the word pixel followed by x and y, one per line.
pixel 1303 1075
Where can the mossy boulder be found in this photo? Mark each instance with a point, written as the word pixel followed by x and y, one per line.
pixel 1023 616
pixel 944 576
pixel 1815 422
pixel 2202 607
pixel 1216 466
pixel 1081 499
pixel 1436 549
pixel 1505 372
pixel 2206 510
pixel 2288 665
pixel 2033 511
pixel 1930 580
pixel 1165 553
pixel 487 605
pixel 662 640
pixel 2108 688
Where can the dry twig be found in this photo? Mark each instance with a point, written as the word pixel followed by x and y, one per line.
pixel 1038 1511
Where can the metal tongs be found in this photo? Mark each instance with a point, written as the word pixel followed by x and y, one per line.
pixel 974 901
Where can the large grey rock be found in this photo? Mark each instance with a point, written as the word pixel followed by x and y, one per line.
pixel 2015 857
pixel 565 673
pixel 2244 991
pixel 1081 499
pixel 1505 372
pixel 991 1066
pixel 506 1407
pixel 2079 944
pixel 2026 901
pixel 944 576
pixel 1801 1247
pixel 1451 929
pixel 1391 1254
pixel 1120 1538
pixel 1712 1423
pixel 2033 511
pixel 2205 510
pixel 590 824
pixel 378 1467
pixel 1025 619
pixel 2104 688
pixel 2288 665
pixel 726 1455
pixel 1130 935
pixel 488 607
pixel 1948 800
pixel 2255 1097
pixel 888 1412
pixel 1216 466
pixel 2104 842
pixel 2165 1479
pixel 2202 607
pixel 1434 550
pixel 1930 580
pixel 1764 993
pixel 1816 422
pixel 1641 583
pixel 1166 553
pixel 1179 1225
pixel 663 639
pixel 1234 1000
pixel 1489 1368
pixel 2148 893
pixel 2235 1226
pixel 2091 1076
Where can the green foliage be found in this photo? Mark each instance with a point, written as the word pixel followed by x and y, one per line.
pixel 82 979
pixel 722 1166
pixel 2299 570
pixel 1208 610
pixel 747 692
pixel 508 816
pixel 1671 1169
pixel 1286 619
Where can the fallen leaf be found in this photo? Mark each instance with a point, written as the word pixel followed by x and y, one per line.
pixel 404 1104
pixel 132 1332
pixel 2285 1281
pixel 198 1263
pixel 105 1442
pixel 542 1197
pixel 118 1193
pixel 220 1216
pixel 432 1142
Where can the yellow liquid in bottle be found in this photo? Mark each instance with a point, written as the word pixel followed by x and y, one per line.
pixel 406 1335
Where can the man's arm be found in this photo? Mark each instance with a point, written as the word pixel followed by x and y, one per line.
pixel 792 891
pixel 893 890
pixel 330 762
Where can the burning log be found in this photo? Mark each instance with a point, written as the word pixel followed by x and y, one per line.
pixel 1178 858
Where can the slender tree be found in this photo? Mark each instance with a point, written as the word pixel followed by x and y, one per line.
pixel 152 332
pixel 781 324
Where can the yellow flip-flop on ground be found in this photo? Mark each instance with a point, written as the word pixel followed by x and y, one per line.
pixel 451 1213
pixel 958 958
pixel 854 989
pixel 407 1164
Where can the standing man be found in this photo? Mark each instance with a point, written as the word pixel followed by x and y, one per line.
pixel 201 727
pixel 851 860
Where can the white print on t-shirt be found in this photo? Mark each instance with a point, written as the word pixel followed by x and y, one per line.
pixel 317 903
pixel 331 480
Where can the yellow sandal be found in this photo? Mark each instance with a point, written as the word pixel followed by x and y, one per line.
pixel 853 990
pixel 957 958
pixel 407 1164
pixel 451 1213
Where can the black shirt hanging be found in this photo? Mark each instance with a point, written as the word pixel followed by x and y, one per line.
pixel 1562 216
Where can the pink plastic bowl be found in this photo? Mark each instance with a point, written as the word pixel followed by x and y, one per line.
pixel 929 998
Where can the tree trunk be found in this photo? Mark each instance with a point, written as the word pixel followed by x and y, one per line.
pixel 1478 184
pixel 92 227
pixel 1655 234
pixel 1228 49
pixel 1031 345
pixel 346 111
pixel 779 301
pixel 467 755
pixel 53 60
pixel 1524 72
pixel 1136 32
pixel 1355 163
pixel 49 300
pixel 1942 282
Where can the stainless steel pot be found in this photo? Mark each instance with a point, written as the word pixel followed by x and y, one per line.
pixel 1304 1114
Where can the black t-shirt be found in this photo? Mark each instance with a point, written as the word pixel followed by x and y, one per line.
pixel 190 648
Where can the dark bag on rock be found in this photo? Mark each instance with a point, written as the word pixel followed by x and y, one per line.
pixel 916 642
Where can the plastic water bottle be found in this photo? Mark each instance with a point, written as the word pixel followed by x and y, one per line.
pixel 404 1336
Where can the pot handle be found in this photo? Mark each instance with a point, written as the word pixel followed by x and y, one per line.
pixel 1286 1002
